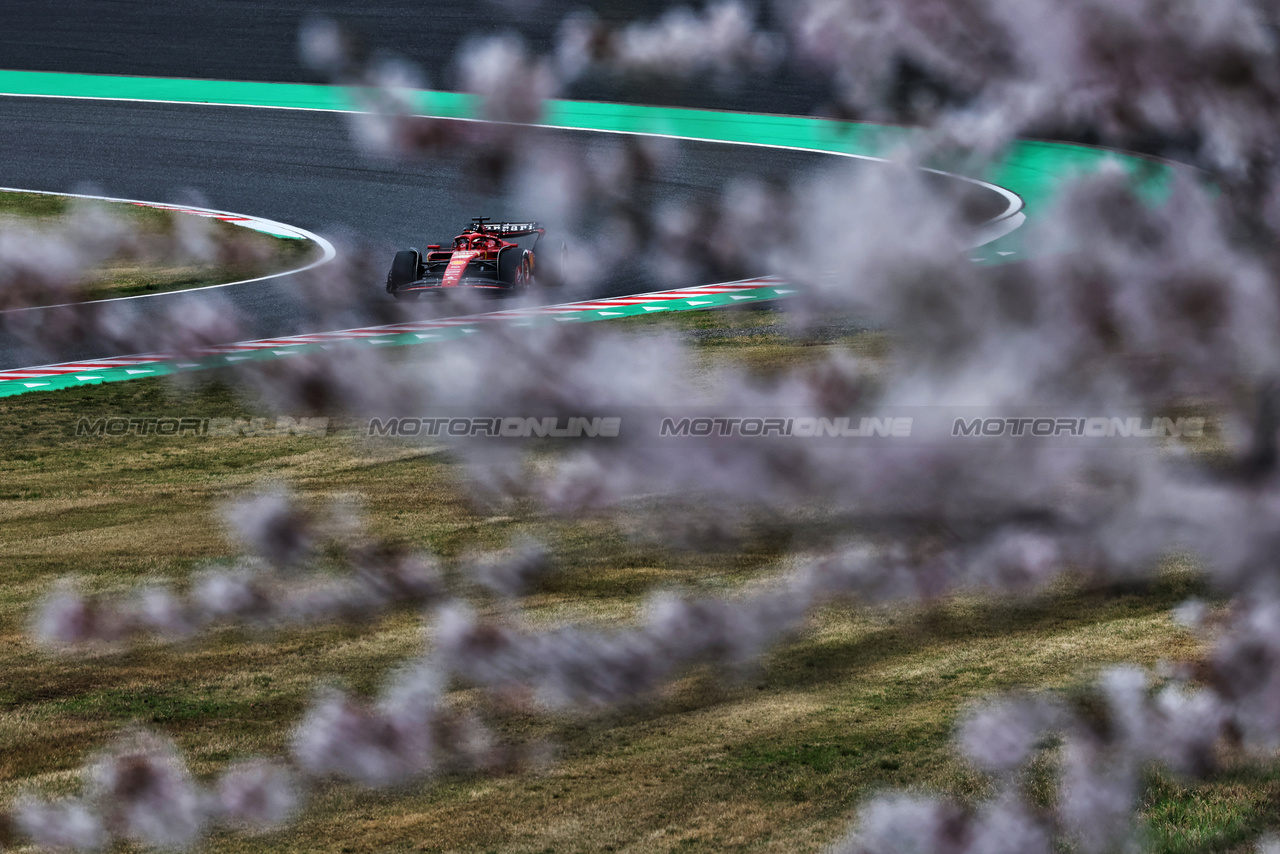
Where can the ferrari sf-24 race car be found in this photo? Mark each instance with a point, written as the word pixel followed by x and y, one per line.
pixel 483 258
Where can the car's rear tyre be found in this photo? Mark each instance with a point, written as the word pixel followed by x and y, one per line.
pixel 404 269
pixel 509 261
pixel 550 265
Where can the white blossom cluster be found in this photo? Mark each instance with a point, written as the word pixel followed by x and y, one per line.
pixel 1124 70
pixel 278 585
pixel 723 39
pixel 140 790
pixel 51 265
pixel 47 265
pixel 247 597
pixel 1102 756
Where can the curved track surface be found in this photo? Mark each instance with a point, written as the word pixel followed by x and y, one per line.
pixel 295 167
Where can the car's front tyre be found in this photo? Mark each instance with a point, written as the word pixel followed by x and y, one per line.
pixel 405 269
pixel 510 263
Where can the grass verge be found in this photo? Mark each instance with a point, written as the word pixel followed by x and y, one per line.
pixel 152 260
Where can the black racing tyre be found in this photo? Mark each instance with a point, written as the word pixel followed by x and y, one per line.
pixel 404 269
pixel 509 265
pixel 550 264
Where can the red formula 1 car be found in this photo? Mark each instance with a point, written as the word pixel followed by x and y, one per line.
pixel 483 258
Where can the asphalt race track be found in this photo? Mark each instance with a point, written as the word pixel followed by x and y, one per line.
pixel 295 167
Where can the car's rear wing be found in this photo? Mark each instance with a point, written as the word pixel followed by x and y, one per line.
pixel 505 229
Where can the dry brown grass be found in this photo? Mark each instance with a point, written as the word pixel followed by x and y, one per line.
pixel 772 760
